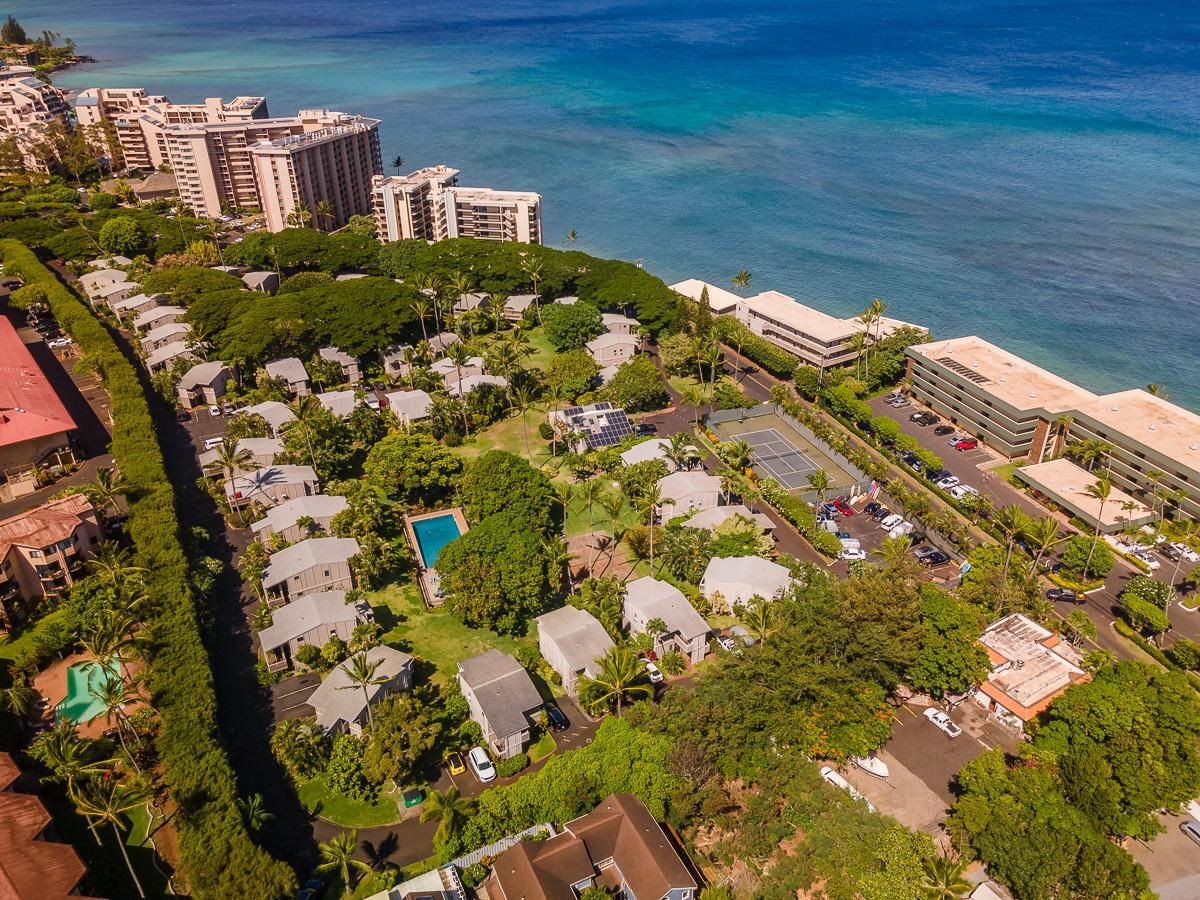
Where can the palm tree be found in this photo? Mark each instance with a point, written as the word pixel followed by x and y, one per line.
pixel 304 410
pixel 397 163
pixel 943 879
pixel 19 698
pixel 532 267
pixel 564 493
pixel 421 308
pixel 1090 451
pixel 558 558
pixel 1012 522
pixel 1098 490
pixel 895 551
pixel 337 855
pixel 114 695
pixel 679 448
pixel 738 456
pixel 621 676
pixel 103 800
pixel 300 215
pixel 648 504
pixel 458 355
pixel 231 457
pixel 759 615
pixel 693 397
pixel 522 401
pixel 323 211
pixel 106 488
pixel 1041 535
pixel 450 809
pixel 1184 531
pixel 590 493
pixel 741 279
pixel 361 672
pixel 114 566
pixel 1079 626
pixel 254 812
pixel 1156 390
pixel 820 482
pixel 70 759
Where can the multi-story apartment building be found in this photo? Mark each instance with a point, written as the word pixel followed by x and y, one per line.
pixel 333 164
pixel 430 205
pixel 136 119
pixel 1023 411
pixel 42 551
pixel 28 107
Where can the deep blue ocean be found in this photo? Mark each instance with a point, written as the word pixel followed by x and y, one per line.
pixel 1026 171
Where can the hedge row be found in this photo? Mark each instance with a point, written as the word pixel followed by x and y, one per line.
pixel 218 857
pixel 774 359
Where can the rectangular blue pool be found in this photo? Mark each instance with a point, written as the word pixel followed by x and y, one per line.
pixel 432 535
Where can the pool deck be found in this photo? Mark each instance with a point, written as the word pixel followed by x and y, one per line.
pixel 427 577
pixel 52 685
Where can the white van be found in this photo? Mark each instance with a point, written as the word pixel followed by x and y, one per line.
pixel 213 442
pixel 900 530
pixel 851 544
pixel 891 521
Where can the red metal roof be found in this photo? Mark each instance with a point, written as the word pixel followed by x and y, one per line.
pixel 29 406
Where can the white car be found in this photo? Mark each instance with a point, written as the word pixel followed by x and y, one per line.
pixel 214 411
pixel 1149 560
pixel 481 764
pixel 961 490
pixel 1187 552
pixel 948 482
pixel 828 773
pixel 727 644
pixel 942 722
pixel 655 674
pixel 59 343
pixel 891 521
pixel 852 554
pixel 372 402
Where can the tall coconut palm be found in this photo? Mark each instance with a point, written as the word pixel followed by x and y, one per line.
pixel 69 758
pixel 895 552
pixel 738 455
pixel 648 504
pixel 693 397
pixel 1100 490
pixel 532 267
pixel 558 558
pixel 621 677
pixel 421 306
pixel 1090 452
pixel 820 482
pixel 106 488
pixel 230 457
pixel 943 879
pixel 102 800
pixel 522 402
pixel 1012 522
pixel 114 566
pixel 741 279
pixel 1041 535
pixel 458 355
pixel 590 493
pixel 397 163
pixel 113 694
pixel 300 215
pixel 18 698
pixel 564 493
pixel 679 448
pixel 450 808
pixel 362 673
pixel 337 855
pixel 1184 531
pixel 323 211
pixel 304 412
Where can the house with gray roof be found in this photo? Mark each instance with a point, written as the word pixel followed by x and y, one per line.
pixel 271 485
pixel 468 302
pixel 165 357
pixel 292 373
pixel 457 388
pixel 447 368
pixel 516 306
pixel 340 403
pixel 163 335
pixel 112 262
pixel 284 519
pixel 341 705
pixel 350 368
pixel 611 349
pixel 309 567
pixel 439 342
pixel 93 281
pixel 573 643
pixel 688 492
pixel 646 451
pixel 274 413
pixel 157 316
pixel 262 454
pixel 618 323
pixel 409 406
pixel 203 384
pixel 134 304
pixel 312 620
pixel 263 282
pixel 109 294
pixel 711 518
pixel 502 699
pixel 684 630
pixel 395 360
pixel 739 579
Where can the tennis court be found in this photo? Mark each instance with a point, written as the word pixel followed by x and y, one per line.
pixel 779 458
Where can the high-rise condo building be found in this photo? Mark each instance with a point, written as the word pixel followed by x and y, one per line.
pixel 28 107
pixel 430 205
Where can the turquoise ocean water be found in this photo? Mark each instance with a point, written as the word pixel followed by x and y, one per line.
pixel 1026 171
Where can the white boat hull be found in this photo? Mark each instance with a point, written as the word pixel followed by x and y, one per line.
pixel 872 765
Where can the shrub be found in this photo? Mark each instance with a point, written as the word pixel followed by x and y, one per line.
pixel 826 543
pixel 218 858
pixel 774 359
pixel 1075 557
pixel 101 200
pixel 1186 654
pixel 673 663
pixel 474 874
pixel 512 765
pixel 1145 588
pixel 545 431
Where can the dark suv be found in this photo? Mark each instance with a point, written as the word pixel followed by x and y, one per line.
pixel 557 719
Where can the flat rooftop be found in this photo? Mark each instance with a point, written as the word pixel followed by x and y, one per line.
pixel 1003 375
pixel 1030 664
pixel 1159 424
pixel 721 300
pixel 1067 482
pixel 812 322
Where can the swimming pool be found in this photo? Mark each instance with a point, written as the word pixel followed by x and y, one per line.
pixel 79 705
pixel 434 533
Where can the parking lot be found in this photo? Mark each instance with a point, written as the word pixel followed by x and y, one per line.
pixel 865 529
pixel 924 761
pixel 1172 861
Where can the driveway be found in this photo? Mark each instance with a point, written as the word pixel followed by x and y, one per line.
pixel 1172 861
pixel 289 698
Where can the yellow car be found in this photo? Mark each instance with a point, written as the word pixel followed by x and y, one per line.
pixel 454 762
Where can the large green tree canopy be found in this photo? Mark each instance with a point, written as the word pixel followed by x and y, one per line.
pixel 500 482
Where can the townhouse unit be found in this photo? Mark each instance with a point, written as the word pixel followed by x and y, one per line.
pixel 683 630
pixel 351 371
pixel 291 372
pixel 573 643
pixel 502 699
pixel 741 579
pixel 341 705
pixel 309 621
pixel 613 348
pixel 271 485
pixel 687 492
pixel 300 518
pixel 310 567
pixel 204 384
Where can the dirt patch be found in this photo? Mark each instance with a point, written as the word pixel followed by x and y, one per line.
pixel 593 555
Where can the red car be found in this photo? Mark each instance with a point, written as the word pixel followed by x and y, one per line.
pixel 843 507
pixel 966 444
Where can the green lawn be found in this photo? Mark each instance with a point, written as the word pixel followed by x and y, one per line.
pixel 509 434
pixel 433 635
pixel 578 514
pixel 320 800
pixel 11 648
pixel 543 748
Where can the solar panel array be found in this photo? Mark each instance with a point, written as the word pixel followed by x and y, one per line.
pixel 602 424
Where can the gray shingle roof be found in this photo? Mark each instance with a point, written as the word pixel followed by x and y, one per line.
pixel 275 413
pixel 579 637
pixel 204 373
pixel 302 616
pixel 290 369
pixel 656 599
pixel 303 556
pixel 285 515
pixel 503 690
pixel 335 700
